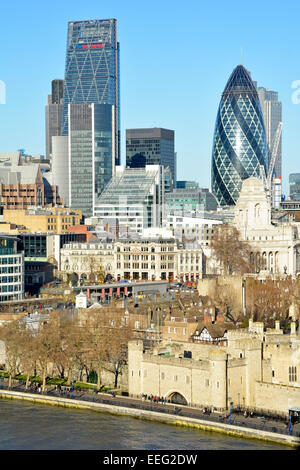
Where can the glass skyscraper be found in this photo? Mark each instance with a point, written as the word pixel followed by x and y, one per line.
pixel 92 70
pixel 239 144
pixel 53 114
pixel 151 146
pixel 272 113
pixel 91 146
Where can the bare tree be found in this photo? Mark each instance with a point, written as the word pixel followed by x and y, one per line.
pixel 28 357
pixel 117 354
pixel 96 343
pixel 10 334
pixel 269 300
pixel 47 345
pixel 230 251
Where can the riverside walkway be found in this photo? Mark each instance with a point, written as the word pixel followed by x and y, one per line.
pixel 233 423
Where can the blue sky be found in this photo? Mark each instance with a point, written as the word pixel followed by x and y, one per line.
pixel 175 60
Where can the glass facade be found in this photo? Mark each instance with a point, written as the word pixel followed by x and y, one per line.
pixel 57 91
pixel 35 246
pixel 134 196
pixel 239 145
pixel 92 69
pixel 185 200
pixel 11 269
pixel 272 113
pixel 294 180
pixel 91 146
pixel 151 147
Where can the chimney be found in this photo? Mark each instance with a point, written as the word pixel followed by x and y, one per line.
pixel 207 318
pixel 220 317
pixel 277 325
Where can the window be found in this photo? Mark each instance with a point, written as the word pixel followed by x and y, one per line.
pixel 162 376
pixel 292 374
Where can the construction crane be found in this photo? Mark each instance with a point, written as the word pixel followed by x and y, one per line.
pixel 274 154
pixel 267 179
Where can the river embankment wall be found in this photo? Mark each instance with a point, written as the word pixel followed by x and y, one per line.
pixel 224 428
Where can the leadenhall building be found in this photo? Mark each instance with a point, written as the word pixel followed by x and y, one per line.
pixel 239 144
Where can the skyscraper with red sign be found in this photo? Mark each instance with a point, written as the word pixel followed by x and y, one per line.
pixel 92 70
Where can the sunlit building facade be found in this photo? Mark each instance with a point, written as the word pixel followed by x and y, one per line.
pixel 92 70
pixel 91 148
pixel 239 144
pixel 11 269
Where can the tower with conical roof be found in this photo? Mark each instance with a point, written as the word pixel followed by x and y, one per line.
pixel 239 144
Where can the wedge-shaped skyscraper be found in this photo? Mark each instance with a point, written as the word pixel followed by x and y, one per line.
pixel 92 70
pixel 239 144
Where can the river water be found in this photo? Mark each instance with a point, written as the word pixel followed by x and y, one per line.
pixel 26 426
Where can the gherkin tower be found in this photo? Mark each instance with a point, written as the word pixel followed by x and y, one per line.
pixel 239 144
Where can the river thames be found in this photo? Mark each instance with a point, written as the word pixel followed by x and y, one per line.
pixel 26 426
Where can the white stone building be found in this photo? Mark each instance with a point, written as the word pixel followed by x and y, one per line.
pixel 87 260
pixel 156 259
pixel 275 247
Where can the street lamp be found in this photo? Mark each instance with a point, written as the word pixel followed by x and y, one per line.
pixel 230 405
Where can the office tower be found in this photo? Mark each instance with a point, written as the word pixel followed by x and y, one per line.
pixel 57 91
pixel 12 269
pixel 24 183
pixel 135 197
pixel 189 199
pixel 294 180
pixel 239 143
pixel 92 70
pixel 272 113
pixel 184 184
pixel 154 146
pixel 53 114
pixel 91 145
pixel 60 165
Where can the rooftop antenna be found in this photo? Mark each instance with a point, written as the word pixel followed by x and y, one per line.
pixel 241 56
